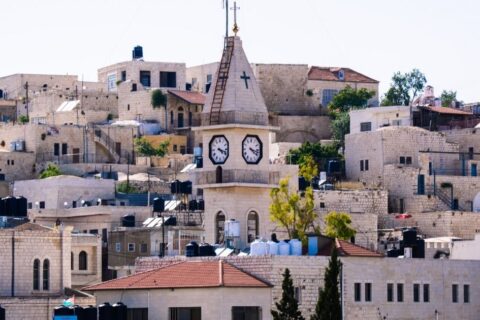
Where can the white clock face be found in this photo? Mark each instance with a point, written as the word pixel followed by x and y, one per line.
pixel 218 152
pixel 252 149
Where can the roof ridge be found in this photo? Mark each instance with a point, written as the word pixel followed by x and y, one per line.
pixel 248 273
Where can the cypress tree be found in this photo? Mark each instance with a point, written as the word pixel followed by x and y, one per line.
pixel 287 308
pixel 328 304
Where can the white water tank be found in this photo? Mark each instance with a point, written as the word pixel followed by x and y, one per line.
pixel 295 247
pixel 258 248
pixel 283 248
pixel 232 228
pixel 272 248
pixel 407 253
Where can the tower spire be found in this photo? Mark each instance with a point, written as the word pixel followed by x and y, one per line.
pixel 235 26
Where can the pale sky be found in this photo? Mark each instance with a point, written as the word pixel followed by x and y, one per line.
pixel 374 37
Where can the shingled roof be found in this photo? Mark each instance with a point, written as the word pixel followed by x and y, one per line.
pixel 187 274
pixel 446 110
pixel 332 74
pixel 191 97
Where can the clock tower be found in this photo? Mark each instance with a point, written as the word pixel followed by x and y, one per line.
pixel 236 177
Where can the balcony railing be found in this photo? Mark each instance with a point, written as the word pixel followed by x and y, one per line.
pixel 238 117
pixel 237 176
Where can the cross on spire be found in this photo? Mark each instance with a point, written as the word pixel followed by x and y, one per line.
pixel 245 77
pixel 235 26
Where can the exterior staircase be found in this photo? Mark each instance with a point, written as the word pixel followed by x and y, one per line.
pixel 221 81
pixel 103 139
pixel 446 199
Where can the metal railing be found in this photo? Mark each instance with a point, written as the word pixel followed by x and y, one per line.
pixel 237 176
pixel 239 117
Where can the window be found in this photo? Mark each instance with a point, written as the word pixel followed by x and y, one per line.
pixel 145 78
pixel 175 148
pixel 454 293
pixel 143 248
pixel 183 150
pixel 72 261
pixel 192 313
pixel 368 292
pixel 36 274
pixel 94 231
pixel 246 313
pixel 390 292
pixel 137 314
pixel 46 274
pixel 118 247
pixel 466 293
pixel 56 149
pixel 298 294
pixel 123 76
pixel 252 226
pixel 41 204
pixel 74 204
pixel 168 79
pixel 209 78
pixel 180 122
pixel 64 148
pixel 171 118
pixel 29 205
pixel 82 261
pixel 408 160
pixel 365 126
pixel 134 87
pixel 322 204
pixel 400 292
pixel 416 292
pixel 219 227
pixel 358 291
pixel 128 107
pixel 131 247
pixel 361 165
pixel 402 160
pixel 366 165
pixel 426 292
pixel 12 162
pixel 327 96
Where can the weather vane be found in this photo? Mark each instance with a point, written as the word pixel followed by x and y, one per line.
pixel 235 26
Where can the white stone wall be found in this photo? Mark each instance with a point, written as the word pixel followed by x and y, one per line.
pixel 379 117
pixel 92 245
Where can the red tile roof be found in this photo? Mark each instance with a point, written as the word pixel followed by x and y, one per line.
pixel 349 249
pixel 446 110
pixel 331 74
pixel 187 274
pixel 189 96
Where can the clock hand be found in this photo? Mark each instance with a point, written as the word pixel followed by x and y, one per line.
pixel 254 151
pixel 222 151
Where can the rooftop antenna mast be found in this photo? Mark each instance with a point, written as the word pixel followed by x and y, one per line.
pixel 235 26
pixel 225 6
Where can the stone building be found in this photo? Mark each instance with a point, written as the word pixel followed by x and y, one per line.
pixel 370 119
pixel 8 110
pixel 85 259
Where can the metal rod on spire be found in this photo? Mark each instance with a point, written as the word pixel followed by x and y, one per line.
pixel 235 26
pixel 226 18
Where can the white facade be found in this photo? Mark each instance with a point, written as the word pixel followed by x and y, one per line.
pixel 466 249
pixel 371 119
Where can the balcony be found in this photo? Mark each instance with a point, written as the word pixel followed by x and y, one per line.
pixel 237 177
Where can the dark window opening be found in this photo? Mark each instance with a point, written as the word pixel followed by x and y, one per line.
pixel 175 148
pixel 46 274
pixel 192 313
pixel 416 292
pixel 171 117
pixel 366 165
pixel 408 160
pixel 137 313
pixel 322 204
pixel 358 292
pixel 454 293
pixel 134 87
pixel 246 313
pixel 82 261
pixel 400 292
pixel 123 75
pixel 361 165
pixel 368 292
pixel 426 293
pixel 183 149
pixel 56 149
pixel 466 293
pixel 390 292
pixel 64 148
pixel 36 274
pixel 365 126
pixel 168 79
pixel 402 160
pixel 252 226
pixel 41 204
pixel 72 260
pixel 219 227
pixel 145 78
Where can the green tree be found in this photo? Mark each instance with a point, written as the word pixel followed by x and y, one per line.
pixel 158 99
pixel 349 98
pixel 308 168
pixel 126 187
pixel 144 148
pixel 328 304
pixel 340 126
pixel 448 97
pixel 292 211
pixel 338 225
pixel 23 119
pixel 404 88
pixel 287 307
pixel 50 171
pixel 320 154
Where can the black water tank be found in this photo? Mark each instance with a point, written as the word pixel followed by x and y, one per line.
pixel 21 206
pixel 192 205
pixel 171 221
pixel 3 210
pixel 418 251
pixel 63 311
pixel 119 311
pixel 302 184
pixel 175 187
pixel 78 311
pixel 90 313
pixel 2 313
pixel 333 167
pixel 137 53
pixel 105 312
pixel 186 187
pixel 199 162
pixel 128 221
pixel 206 250
pixel 191 249
pixel 409 237
pixel 158 205
pixel 392 253
pixel 10 206
pixel 201 205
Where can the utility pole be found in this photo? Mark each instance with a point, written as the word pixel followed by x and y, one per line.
pixel 226 18
pixel 26 96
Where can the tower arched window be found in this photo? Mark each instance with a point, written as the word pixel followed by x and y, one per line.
pixel 252 226
pixel 36 274
pixel 72 261
pixel 220 227
pixel 46 274
pixel 82 261
pixel 180 122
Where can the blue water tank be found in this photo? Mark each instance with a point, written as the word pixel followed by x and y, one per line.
pixel 312 245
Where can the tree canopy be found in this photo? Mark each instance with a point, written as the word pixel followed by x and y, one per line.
pixel 158 99
pixel 292 211
pixel 50 171
pixel 448 97
pixel 328 304
pixel 287 307
pixel 338 225
pixel 318 152
pixel 404 88
pixel 349 98
pixel 144 148
pixel 340 127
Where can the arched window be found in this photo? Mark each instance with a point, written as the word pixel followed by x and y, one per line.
pixel 72 260
pixel 36 274
pixel 46 274
pixel 252 226
pixel 171 118
pixel 82 261
pixel 180 117
pixel 219 228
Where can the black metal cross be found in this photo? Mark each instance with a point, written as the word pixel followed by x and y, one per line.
pixel 245 77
